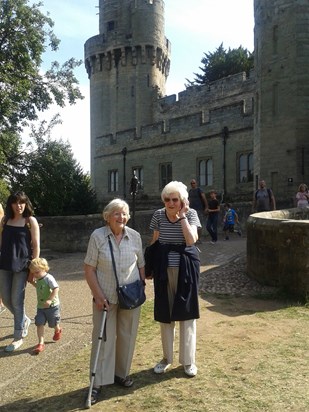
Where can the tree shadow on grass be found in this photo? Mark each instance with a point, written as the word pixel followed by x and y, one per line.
pixel 75 400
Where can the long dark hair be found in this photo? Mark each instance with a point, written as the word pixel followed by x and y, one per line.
pixel 18 197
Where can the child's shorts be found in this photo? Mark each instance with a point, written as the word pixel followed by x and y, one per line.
pixel 49 315
pixel 228 227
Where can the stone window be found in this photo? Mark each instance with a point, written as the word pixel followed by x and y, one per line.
pixel 165 174
pixel 113 180
pixel 110 25
pixel 275 39
pixel 205 172
pixel 139 173
pixel 245 167
pixel 275 99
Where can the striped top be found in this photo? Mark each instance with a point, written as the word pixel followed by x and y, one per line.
pixel 171 232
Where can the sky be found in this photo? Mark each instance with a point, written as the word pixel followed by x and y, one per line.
pixel 193 27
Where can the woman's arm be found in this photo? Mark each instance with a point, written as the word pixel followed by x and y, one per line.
pixel 189 231
pixel 97 292
pixel 142 273
pixel 155 236
pixel 35 237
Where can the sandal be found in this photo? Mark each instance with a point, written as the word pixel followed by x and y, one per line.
pixel 95 393
pixel 39 348
pixel 125 382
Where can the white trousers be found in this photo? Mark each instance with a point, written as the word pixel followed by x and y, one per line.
pixel 116 353
pixel 187 328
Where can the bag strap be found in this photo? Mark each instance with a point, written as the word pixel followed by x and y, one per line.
pixel 113 260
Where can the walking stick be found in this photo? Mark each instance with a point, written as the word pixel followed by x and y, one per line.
pixel 100 337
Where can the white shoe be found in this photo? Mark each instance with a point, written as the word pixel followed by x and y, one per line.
pixel 26 327
pixel 190 370
pixel 162 366
pixel 14 345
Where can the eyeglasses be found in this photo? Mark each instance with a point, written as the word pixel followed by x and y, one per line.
pixel 193 183
pixel 174 199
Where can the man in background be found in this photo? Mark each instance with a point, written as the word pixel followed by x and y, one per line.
pixel 263 199
pixel 198 202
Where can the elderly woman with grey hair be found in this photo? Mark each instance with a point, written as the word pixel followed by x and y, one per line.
pixel 175 266
pixel 116 352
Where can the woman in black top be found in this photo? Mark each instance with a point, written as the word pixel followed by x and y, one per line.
pixel 20 242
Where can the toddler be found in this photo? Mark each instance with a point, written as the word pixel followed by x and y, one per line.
pixel 48 304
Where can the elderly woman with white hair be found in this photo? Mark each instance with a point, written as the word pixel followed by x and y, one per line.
pixel 175 267
pixel 116 352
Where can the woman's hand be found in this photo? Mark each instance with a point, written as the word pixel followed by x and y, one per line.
pixel 184 209
pixel 101 303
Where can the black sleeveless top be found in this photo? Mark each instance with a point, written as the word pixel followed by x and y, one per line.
pixel 15 248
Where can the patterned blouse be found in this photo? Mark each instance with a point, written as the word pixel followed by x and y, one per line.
pixel 128 255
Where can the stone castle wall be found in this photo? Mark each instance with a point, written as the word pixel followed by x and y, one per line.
pixel 265 113
pixel 184 131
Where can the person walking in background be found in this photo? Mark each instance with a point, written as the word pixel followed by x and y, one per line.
pixel 20 242
pixel 263 199
pixel 302 196
pixel 198 201
pixel 116 352
pixel 213 215
pixel 176 275
pixel 229 221
pixel 48 304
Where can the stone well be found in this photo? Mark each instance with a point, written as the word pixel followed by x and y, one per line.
pixel 278 249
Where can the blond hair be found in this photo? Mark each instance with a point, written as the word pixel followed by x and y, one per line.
pixel 38 263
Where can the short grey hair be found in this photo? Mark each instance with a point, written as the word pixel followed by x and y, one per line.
pixel 115 205
pixel 175 187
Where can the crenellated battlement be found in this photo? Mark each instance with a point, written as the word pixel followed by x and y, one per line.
pixel 217 93
pixel 99 58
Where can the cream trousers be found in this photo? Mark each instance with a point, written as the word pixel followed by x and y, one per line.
pixel 187 328
pixel 116 353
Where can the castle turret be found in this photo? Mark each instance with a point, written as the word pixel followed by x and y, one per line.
pixel 281 141
pixel 127 63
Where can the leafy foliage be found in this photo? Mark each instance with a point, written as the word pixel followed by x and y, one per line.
pixel 53 180
pixel 25 34
pixel 222 63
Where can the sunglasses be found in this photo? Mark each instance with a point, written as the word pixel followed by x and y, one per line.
pixel 174 199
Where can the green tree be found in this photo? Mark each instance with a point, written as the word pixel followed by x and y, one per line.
pixel 25 34
pixel 222 63
pixel 53 179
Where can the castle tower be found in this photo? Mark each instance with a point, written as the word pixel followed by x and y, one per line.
pixel 281 129
pixel 127 63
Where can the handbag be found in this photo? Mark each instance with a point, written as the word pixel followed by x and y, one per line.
pixel 132 295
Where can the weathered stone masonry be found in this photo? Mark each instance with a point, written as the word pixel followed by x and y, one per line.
pixel 265 113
